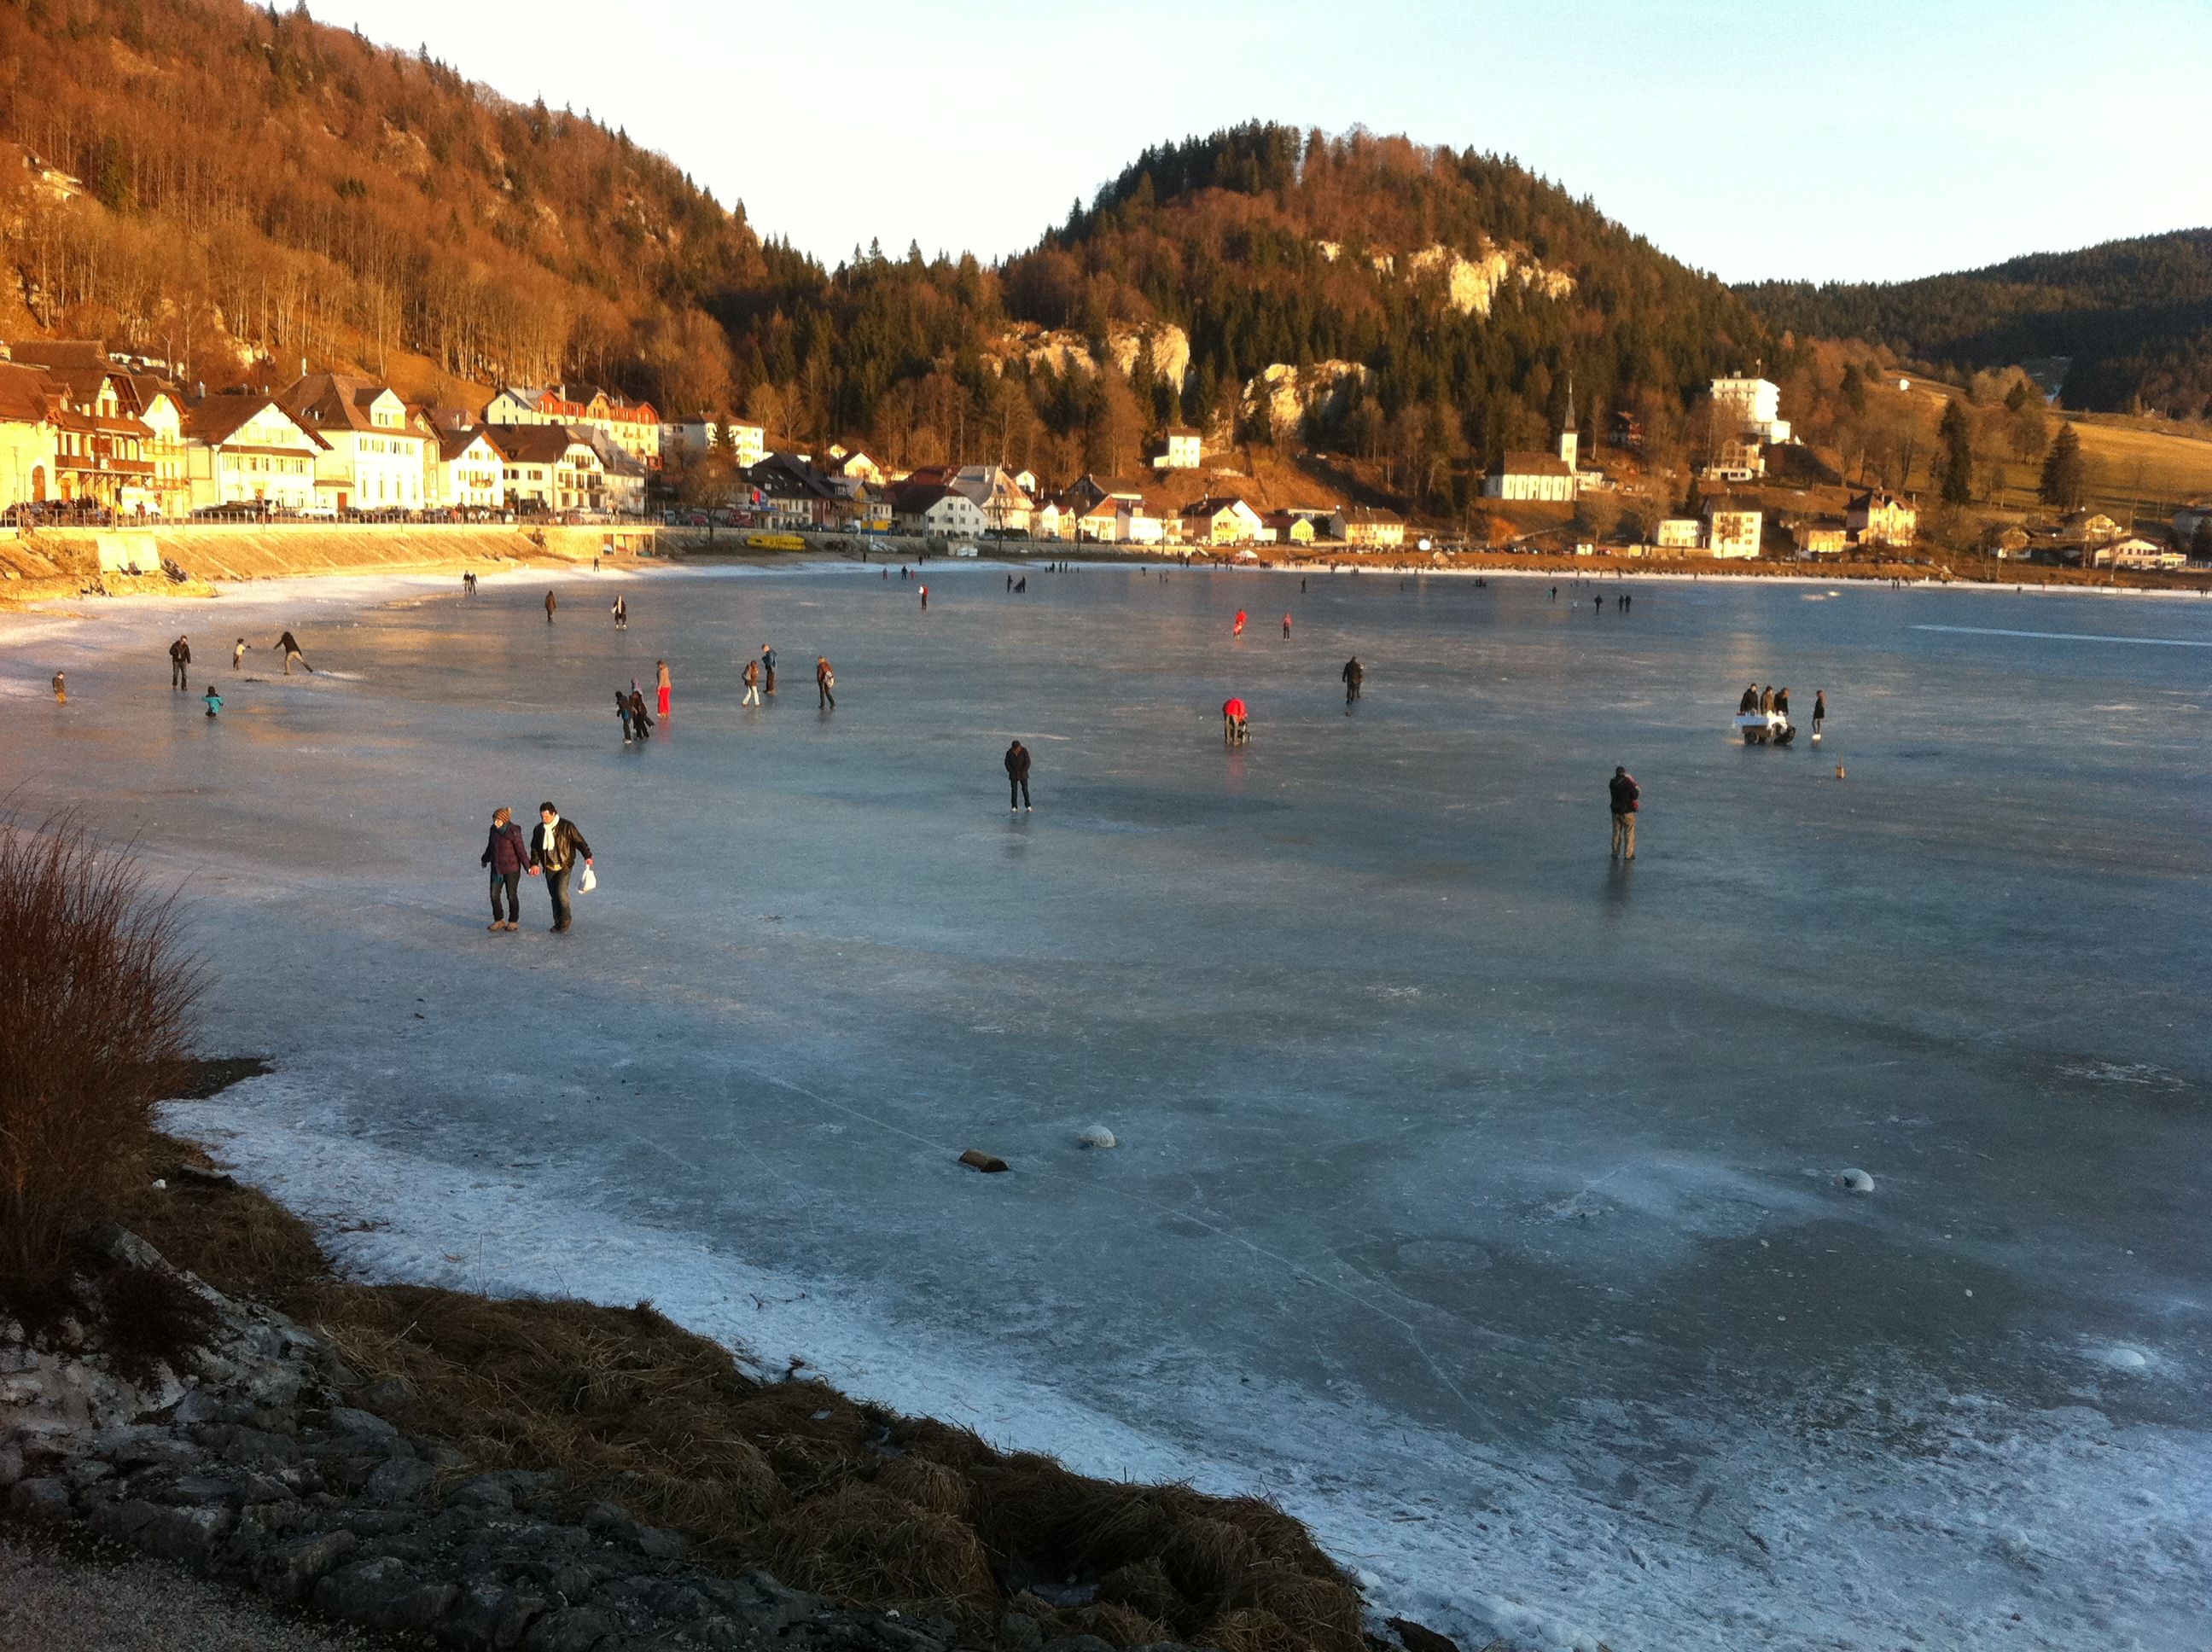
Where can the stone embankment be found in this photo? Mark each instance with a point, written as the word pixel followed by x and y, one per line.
pixel 45 562
pixel 262 1460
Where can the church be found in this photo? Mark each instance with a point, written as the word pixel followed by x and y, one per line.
pixel 1532 473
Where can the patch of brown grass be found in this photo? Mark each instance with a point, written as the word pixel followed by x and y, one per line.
pixel 840 1497
pixel 95 997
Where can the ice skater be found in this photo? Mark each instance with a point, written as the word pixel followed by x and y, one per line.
pixel 1237 629
pixel 238 654
pixel 506 855
pixel 180 661
pixel 641 721
pixel 554 848
pixel 552 603
pixel 664 685
pixel 1624 794
pixel 1820 710
pixel 825 680
pixel 291 645
pixel 621 612
pixel 468 582
pixel 622 710
pixel 1018 778
pixel 752 676
pixel 1354 674
pixel 1286 627
pixel 925 599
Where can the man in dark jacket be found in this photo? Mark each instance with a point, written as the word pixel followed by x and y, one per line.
pixel 506 854
pixel 554 848
pixel 1625 792
pixel 1354 674
pixel 1017 777
pixel 181 657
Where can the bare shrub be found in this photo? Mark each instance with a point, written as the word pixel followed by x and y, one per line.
pixel 95 996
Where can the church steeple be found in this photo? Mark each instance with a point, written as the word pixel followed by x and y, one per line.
pixel 1569 443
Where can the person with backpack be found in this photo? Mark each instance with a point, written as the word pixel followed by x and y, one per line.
pixel 506 854
pixel 752 683
pixel 1625 795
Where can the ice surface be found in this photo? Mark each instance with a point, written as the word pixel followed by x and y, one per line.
pixel 1475 1197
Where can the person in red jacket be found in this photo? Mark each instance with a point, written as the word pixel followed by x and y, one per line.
pixel 1624 793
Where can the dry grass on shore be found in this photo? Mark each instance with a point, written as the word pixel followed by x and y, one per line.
pixel 825 1492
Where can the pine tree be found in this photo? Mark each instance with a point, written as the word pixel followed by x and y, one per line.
pixel 1957 436
pixel 2200 543
pixel 2064 478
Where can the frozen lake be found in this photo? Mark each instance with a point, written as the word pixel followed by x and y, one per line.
pixel 1476 1196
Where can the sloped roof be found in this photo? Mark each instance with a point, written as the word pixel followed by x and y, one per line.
pixel 27 396
pixel 1533 462
pixel 452 443
pixel 332 401
pixel 534 444
pixel 214 420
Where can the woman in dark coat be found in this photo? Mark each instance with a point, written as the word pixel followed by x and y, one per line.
pixel 640 719
pixel 507 856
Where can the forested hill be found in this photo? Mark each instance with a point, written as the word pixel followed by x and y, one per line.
pixel 235 189
pixel 254 178
pixel 2135 317
pixel 1468 286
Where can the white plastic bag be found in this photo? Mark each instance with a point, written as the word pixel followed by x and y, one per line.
pixel 587 883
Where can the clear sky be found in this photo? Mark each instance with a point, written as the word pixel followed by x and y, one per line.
pixel 1865 141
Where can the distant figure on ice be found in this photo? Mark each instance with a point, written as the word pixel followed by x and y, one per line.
pixel 1749 703
pixel 622 710
pixel 1782 699
pixel 61 687
pixel 641 721
pixel 663 685
pixel 1820 710
pixel 1235 727
pixel 1354 674
pixel 767 667
pixel 554 848
pixel 1237 629
pixel 825 680
pixel 752 676
pixel 214 700
pixel 507 855
pixel 1766 698
pixel 1018 776
pixel 925 599
pixel 469 589
pixel 238 654
pixel 1287 625
pixel 621 612
pixel 180 659
pixel 1624 794
pixel 552 603
pixel 290 645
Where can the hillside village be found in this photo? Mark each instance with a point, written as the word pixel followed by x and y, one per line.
pixel 91 437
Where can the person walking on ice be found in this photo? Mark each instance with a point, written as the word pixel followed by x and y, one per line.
pixel 180 659
pixel 621 612
pixel 238 654
pixel 1624 794
pixel 291 645
pixel 507 856
pixel 925 599
pixel 61 687
pixel 554 848
pixel 1017 777
pixel 1354 674
pixel 768 667
pixel 825 680
pixel 552 603
pixel 752 683
pixel 1286 626
pixel 665 685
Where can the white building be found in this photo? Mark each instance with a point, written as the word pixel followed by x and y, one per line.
pixel 1528 474
pixel 1181 449
pixel 246 450
pixel 466 472
pixel 683 441
pixel 1732 527
pixel 374 455
pixel 1752 406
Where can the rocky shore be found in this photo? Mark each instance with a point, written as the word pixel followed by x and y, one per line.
pixel 266 1460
